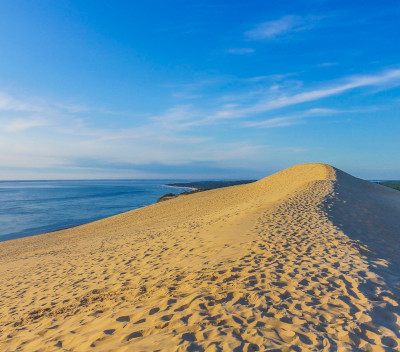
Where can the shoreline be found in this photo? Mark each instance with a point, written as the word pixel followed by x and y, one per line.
pixel 91 221
pixel 191 188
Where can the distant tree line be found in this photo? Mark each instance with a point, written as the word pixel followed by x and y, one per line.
pixel 206 185
pixel 200 186
pixel 391 184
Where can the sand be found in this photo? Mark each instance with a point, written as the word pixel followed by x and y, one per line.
pixel 307 259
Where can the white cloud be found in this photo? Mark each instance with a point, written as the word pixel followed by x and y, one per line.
pixel 284 121
pixel 273 29
pixel 175 114
pixel 268 103
pixel 184 117
pixel 300 118
pixel 276 77
pixel 353 82
pixel 328 64
pixel 9 103
pixel 241 51
pixel 21 124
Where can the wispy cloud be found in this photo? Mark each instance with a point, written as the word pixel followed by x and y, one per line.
pixel 352 83
pixel 10 103
pixel 327 64
pixel 290 120
pixel 283 121
pixel 273 29
pixel 23 124
pixel 241 51
pixel 268 103
pixel 176 116
pixel 276 77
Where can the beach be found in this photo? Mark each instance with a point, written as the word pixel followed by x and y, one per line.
pixel 307 259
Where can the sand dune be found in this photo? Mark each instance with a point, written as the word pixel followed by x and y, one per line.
pixel 306 259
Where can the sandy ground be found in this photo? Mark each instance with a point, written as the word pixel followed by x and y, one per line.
pixel 306 259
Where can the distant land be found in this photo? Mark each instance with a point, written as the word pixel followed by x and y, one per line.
pixel 203 185
pixel 391 184
pixel 200 186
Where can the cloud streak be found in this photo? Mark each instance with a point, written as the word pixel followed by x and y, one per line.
pixel 241 51
pixel 9 103
pixel 290 120
pixel 20 124
pixel 276 28
pixel 269 104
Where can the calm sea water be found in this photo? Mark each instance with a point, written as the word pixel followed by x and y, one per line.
pixel 32 207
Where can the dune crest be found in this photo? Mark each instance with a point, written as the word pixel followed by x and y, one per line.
pixel 305 259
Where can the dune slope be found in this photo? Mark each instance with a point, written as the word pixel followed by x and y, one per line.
pixel 306 259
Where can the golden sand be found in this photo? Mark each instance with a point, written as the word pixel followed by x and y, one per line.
pixel 306 259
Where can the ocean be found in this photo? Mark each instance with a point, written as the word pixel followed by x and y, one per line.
pixel 32 207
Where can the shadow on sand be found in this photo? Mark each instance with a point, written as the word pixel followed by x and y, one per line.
pixel 369 214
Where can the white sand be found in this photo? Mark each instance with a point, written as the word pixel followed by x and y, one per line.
pixel 306 259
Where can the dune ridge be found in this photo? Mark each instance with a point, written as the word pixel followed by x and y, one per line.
pixel 306 259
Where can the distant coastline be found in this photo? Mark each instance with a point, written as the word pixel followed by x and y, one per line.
pixel 199 186
pixel 172 186
pixel 207 185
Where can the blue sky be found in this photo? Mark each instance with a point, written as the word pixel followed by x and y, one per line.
pixel 198 89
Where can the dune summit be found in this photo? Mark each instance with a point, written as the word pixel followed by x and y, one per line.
pixel 305 259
